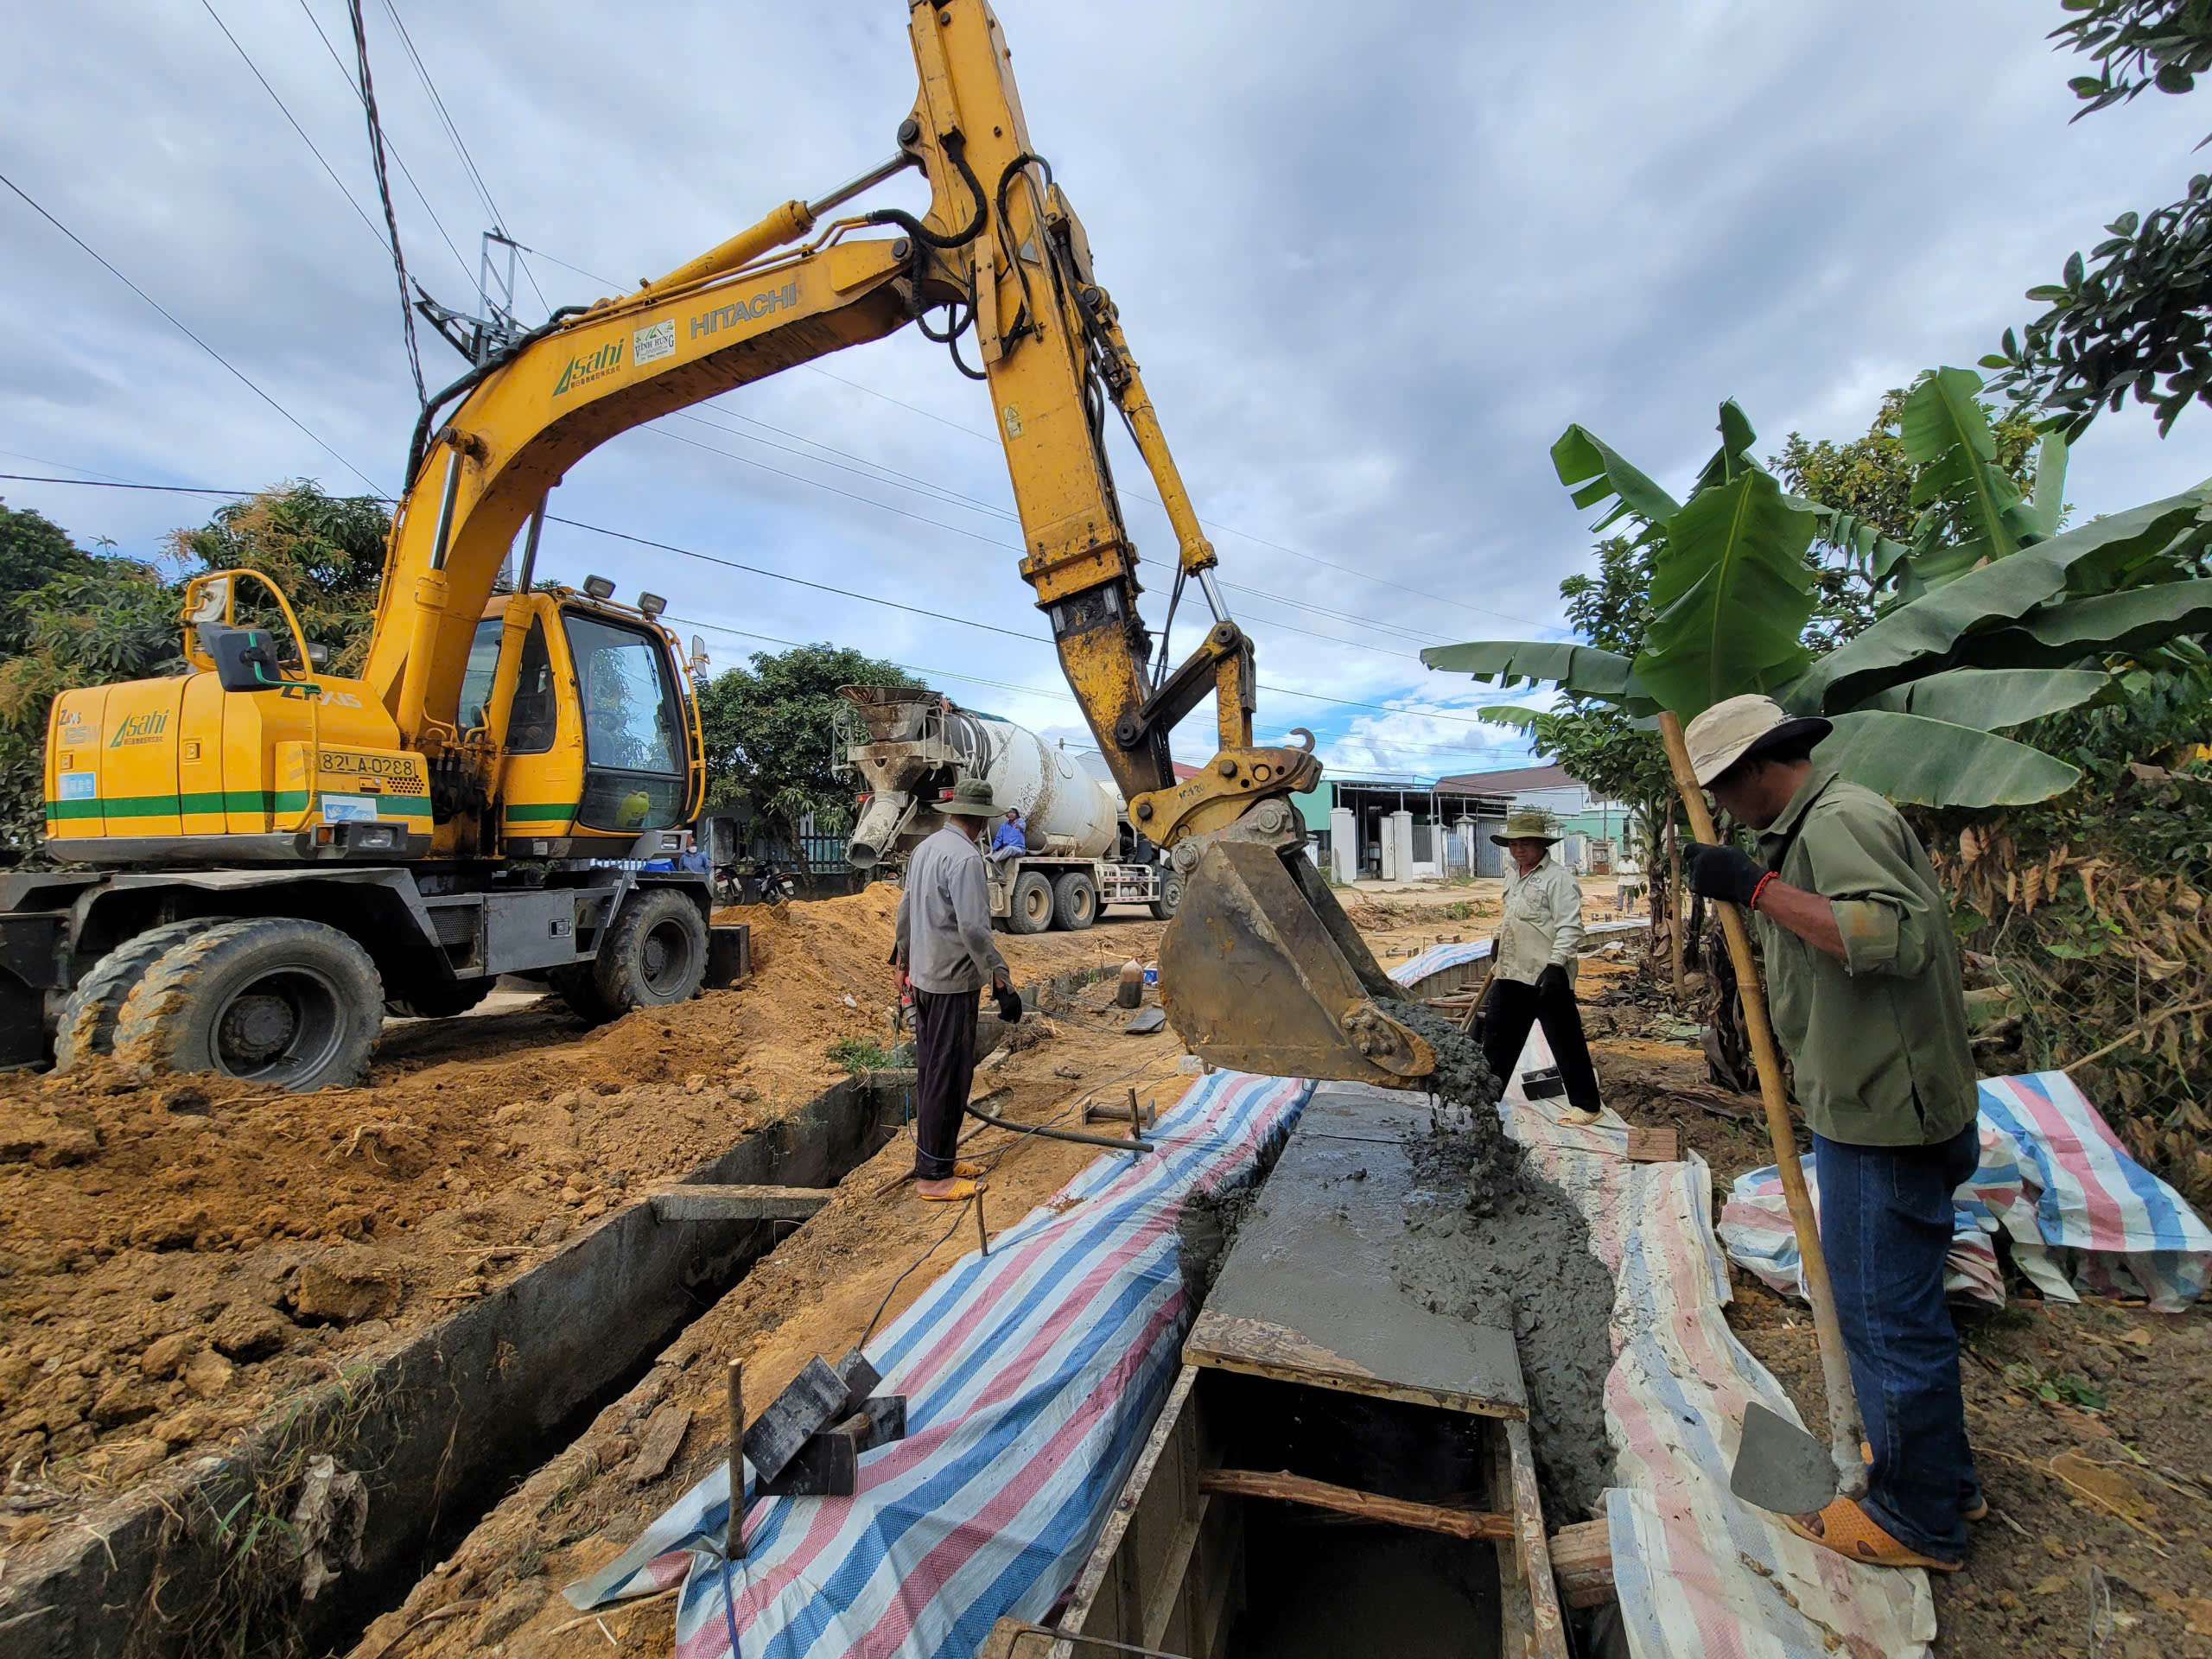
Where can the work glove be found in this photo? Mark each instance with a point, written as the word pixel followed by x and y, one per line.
pixel 1009 1002
pixel 1721 873
pixel 1552 982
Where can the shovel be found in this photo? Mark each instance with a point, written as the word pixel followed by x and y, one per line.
pixel 1778 1466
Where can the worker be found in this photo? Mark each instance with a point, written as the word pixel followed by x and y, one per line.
pixel 693 858
pixel 944 956
pixel 1862 980
pixel 1532 963
pixel 1011 841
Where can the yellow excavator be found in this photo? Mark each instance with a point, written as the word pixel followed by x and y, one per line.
pixel 280 854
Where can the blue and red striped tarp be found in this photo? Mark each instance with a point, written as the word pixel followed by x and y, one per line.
pixel 1032 1377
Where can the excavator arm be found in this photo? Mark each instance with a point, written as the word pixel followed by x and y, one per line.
pixel 1260 970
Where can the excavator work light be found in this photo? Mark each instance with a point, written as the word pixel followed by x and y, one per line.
pixel 598 587
pixel 651 604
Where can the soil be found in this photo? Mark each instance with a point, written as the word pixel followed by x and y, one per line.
pixel 2092 1422
pixel 177 1255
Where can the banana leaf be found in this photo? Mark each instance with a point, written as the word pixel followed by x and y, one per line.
pixel 2050 498
pixel 1731 591
pixel 1734 456
pixel 1581 669
pixel 1592 471
pixel 2133 620
pixel 1928 635
pixel 1976 511
pixel 1991 699
pixel 1933 763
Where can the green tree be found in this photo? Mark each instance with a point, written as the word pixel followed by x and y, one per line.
pixel 2133 316
pixel 327 553
pixel 1870 480
pixel 770 733
pixel 34 550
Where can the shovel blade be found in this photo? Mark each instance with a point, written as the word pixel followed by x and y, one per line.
pixel 1262 971
pixel 1779 1466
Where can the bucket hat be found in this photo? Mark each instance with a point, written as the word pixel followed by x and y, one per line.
pixel 968 799
pixel 1737 728
pixel 1528 823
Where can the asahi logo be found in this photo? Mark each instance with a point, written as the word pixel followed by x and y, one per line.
pixel 583 371
pixel 140 729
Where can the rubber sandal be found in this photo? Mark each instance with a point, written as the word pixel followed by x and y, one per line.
pixel 969 1169
pixel 1856 1536
pixel 963 1190
pixel 1977 1511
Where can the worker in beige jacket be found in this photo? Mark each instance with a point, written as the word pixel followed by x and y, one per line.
pixel 1532 963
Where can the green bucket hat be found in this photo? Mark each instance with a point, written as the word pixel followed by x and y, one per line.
pixel 1528 823
pixel 968 799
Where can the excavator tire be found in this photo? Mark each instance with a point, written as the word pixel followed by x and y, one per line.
pixel 1171 896
pixel 655 954
pixel 439 1000
pixel 575 985
pixel 88 1017
pixel 271 999
pixel 1031 909
pixel 1075 901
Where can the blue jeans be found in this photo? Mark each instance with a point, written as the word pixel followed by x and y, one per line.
pixel 1885 1224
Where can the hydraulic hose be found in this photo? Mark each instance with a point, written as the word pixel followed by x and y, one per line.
pixel 421 442
pixel 956 147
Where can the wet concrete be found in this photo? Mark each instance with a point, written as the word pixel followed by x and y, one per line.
pixel 1203 1232
pixel 1490 1241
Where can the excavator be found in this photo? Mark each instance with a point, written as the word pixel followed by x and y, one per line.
pixel 277 854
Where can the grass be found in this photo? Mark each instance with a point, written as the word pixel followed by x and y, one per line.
pixel 860 1054
pixel 1458 910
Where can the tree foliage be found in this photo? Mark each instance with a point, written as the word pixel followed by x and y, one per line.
pixel 326 552
pixel 2131 317
pixel 769 732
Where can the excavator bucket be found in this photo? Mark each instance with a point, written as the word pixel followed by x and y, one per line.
pixel 1262 971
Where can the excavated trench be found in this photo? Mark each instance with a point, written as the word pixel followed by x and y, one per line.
pixel 375 1471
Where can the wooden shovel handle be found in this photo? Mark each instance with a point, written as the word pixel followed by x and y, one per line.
pixel 1843 1432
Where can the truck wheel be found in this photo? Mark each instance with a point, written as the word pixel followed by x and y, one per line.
pixel 439 999
pixel 272 1000
pixel 87 1023
pixel 1171 897
pixel 574 984
pixel 1075 901
pixel 1032 909
pixel 655 954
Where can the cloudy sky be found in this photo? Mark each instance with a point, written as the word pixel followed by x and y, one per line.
pixel 1371 260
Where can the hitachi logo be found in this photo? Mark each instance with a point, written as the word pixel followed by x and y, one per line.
pixel 583 371
pixel 139 728
pixel 728 316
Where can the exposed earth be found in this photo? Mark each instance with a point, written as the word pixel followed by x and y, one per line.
pixel 178 1257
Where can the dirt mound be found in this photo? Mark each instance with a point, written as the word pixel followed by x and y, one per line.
pixel 176 1253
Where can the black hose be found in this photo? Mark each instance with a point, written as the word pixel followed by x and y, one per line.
pixel 956 147
pixel 998 1122
pixel 467 383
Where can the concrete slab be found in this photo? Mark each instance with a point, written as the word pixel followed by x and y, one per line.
pixel 1306 1293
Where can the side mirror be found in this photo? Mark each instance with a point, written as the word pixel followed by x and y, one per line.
pixel 244 658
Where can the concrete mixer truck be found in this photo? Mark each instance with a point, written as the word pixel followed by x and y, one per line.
pixel 904 747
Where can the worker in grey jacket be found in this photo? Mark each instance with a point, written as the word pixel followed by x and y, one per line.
pixel 944 954
pixel 1532 963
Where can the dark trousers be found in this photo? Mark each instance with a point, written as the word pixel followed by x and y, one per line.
pixel 944 1069
pixel 1511 1008
pixel 1885 1225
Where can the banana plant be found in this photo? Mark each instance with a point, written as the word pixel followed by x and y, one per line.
pixel 1980 643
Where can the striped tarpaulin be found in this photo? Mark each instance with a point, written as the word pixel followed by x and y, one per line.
pixel 1032 1377
pixel 2053 1177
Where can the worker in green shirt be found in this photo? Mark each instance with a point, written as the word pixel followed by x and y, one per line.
pixel 1863 982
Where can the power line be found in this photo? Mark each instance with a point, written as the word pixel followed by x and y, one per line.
pixel 405 172
pixel 296 127
pixel 384 192
pixel 237 373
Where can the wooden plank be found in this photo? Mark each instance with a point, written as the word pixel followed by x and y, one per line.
pixel 1108 1597
pixel 1654 1146
pixel 1366 1506
pixel 1582 1562
pixel 1549 1635
pixel 703 1203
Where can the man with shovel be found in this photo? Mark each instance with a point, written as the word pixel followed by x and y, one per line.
pixel 944 954
pixel 1863 982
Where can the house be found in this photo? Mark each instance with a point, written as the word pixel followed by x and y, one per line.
pixel 1582 812
pixel 1401 827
